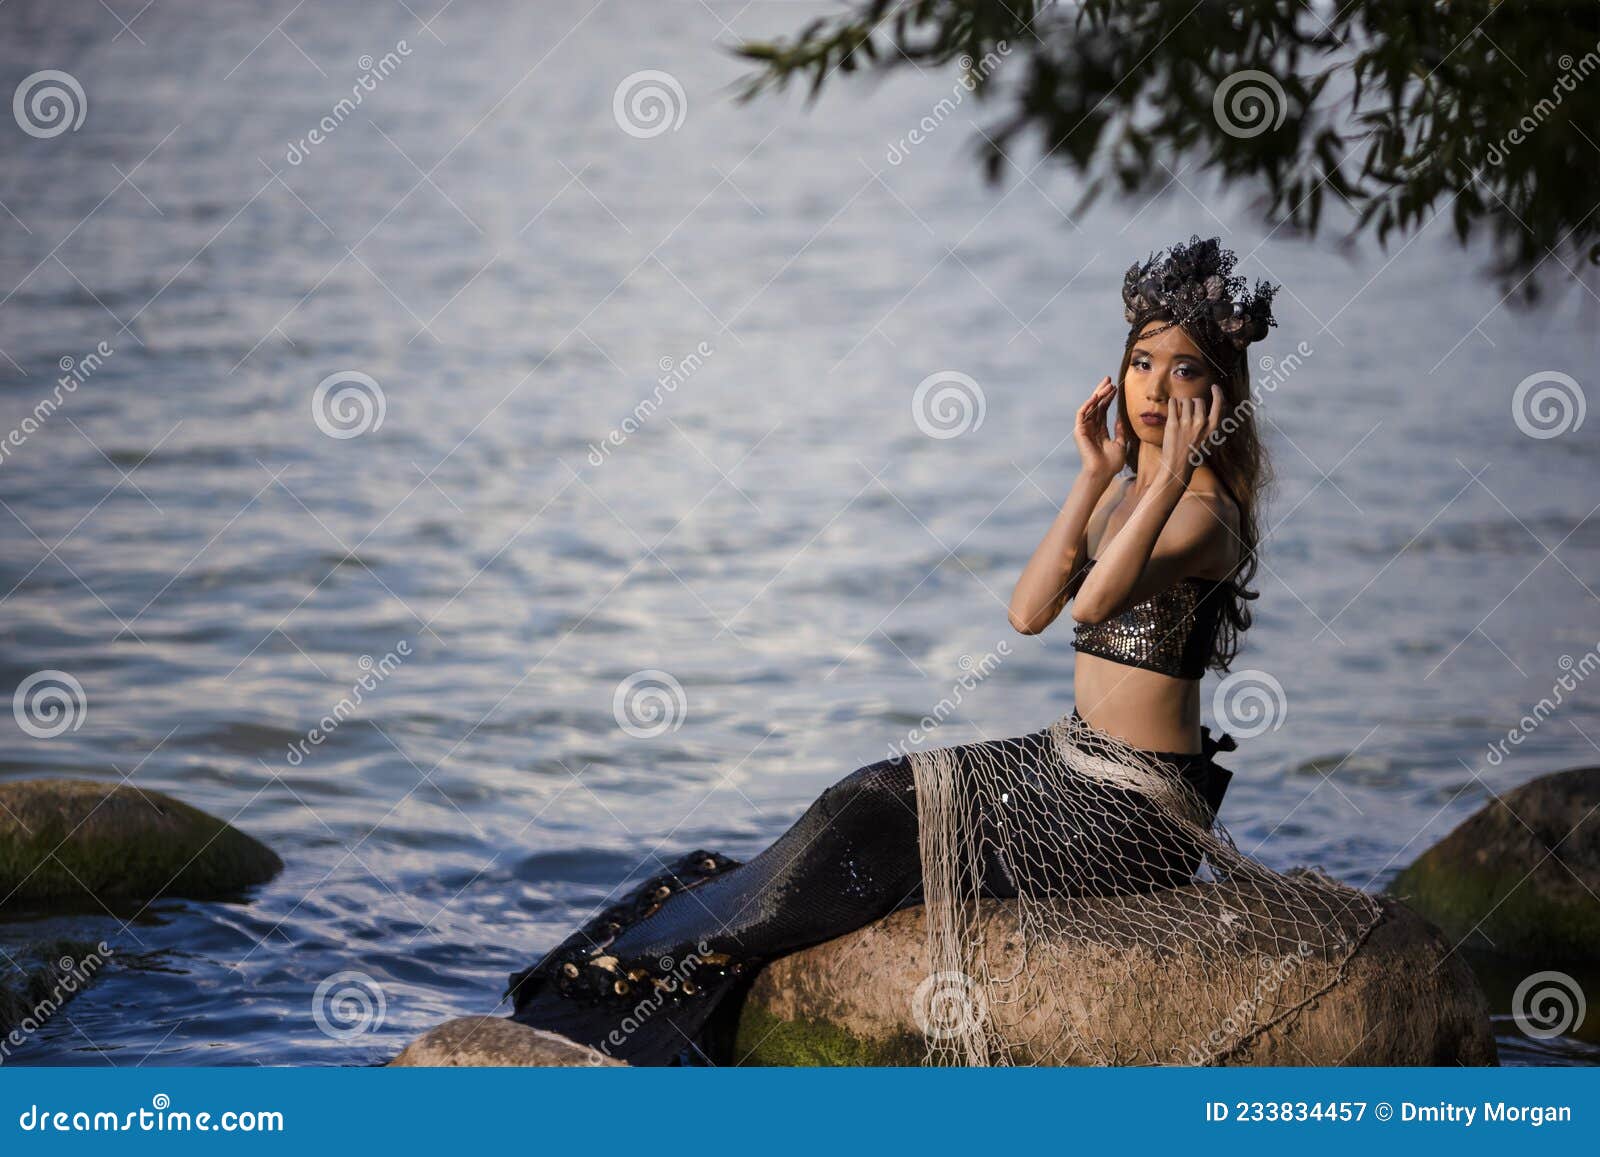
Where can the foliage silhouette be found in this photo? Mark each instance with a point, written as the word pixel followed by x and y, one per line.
pixel 1488 112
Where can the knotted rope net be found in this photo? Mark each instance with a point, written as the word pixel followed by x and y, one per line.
pixel 1139 933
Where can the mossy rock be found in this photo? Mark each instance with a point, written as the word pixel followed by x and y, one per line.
pixel 1519 877
pixel 1402 998
pixel 766 1039
pixel 39 978
pixel 68 843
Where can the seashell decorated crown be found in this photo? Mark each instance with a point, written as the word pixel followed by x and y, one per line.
pixel 1194 285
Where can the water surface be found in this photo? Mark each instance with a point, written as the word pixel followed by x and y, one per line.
pixel 517 273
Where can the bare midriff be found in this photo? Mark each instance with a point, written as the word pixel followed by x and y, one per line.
pixel 1146 709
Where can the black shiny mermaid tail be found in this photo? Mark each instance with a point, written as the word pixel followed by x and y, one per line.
pixel 642 980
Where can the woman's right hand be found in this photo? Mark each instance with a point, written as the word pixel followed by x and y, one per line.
pixel 1103 456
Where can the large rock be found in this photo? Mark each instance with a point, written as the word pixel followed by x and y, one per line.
pixel 1403 999
pixel 75 842
pixel 496 1042
pixel 1519 876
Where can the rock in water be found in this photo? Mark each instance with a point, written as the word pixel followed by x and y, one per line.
pixel 1520 876
pixel 496 1042
pixel 1403 999
pixel 73 841
pixel 40 978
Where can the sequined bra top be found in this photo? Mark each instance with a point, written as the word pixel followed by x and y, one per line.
pixel 1171 632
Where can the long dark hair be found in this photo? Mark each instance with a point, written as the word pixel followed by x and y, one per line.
pixel 1240 463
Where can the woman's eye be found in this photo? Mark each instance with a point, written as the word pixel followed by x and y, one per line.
pixel 1185 371
pixel 1142 366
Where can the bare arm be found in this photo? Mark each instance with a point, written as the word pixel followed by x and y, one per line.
pixel 1054 570
pixel 1170 536
pixel 1173 533
pixel 1049 578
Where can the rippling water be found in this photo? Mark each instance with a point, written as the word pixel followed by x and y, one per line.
pixel 516 273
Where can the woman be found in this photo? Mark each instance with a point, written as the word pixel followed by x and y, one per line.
pixel 1113 804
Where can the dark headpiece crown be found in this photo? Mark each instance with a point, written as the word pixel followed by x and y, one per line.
pixel 1194 285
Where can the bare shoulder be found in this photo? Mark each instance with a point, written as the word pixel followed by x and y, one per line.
pixel 1215 503
pixel 1208 520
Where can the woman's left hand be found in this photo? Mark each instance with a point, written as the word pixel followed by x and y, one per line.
pixel 1190 424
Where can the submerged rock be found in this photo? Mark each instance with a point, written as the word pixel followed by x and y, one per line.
pixel 496 1042
pixel 72 842
pixel 38 979
pixel 1519 877
pixel 1402 999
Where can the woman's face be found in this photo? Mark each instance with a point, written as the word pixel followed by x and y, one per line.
pixel 1164 364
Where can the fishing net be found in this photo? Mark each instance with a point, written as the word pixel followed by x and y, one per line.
pixel 1120 867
